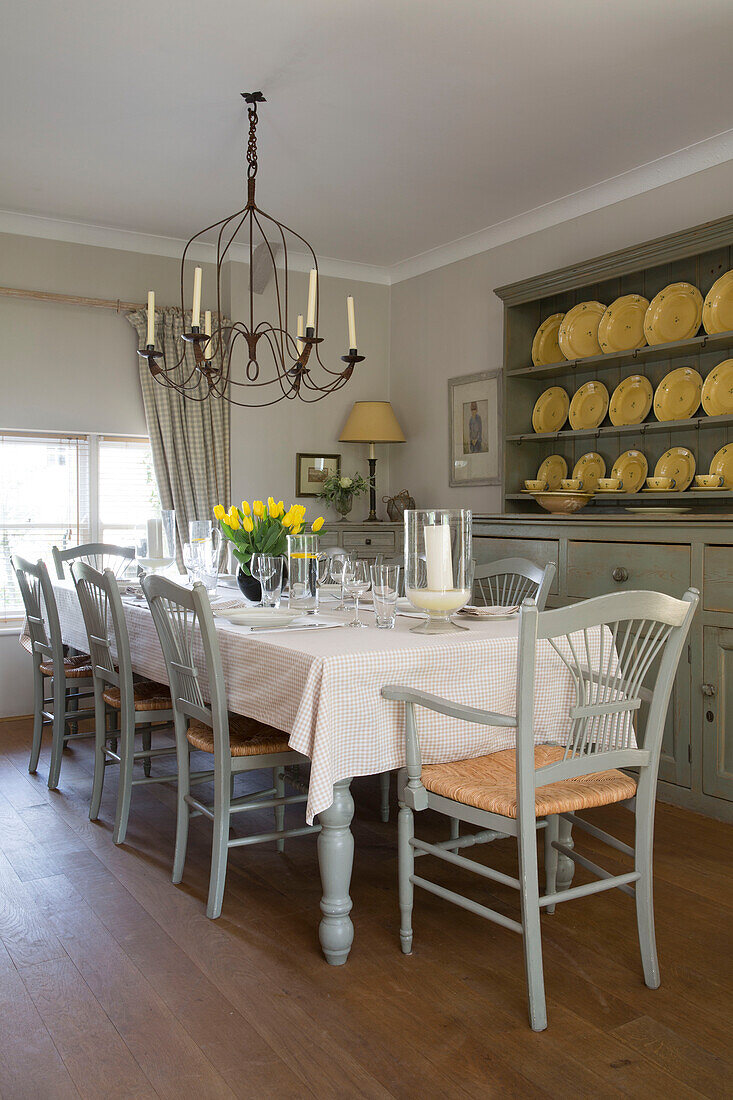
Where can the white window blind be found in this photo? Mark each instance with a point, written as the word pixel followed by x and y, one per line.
pixel 44 501
pixel 127 491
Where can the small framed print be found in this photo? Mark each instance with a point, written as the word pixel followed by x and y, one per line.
pixel 474 417
pixel 312 470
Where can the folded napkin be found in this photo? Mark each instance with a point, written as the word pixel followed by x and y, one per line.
pixel 227 605
pixel 480 612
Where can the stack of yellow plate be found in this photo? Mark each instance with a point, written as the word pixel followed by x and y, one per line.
pixel 677 463
pixel 678 394
pixel 717 391
pixel 631 400
pixel 545 348
pixel 717 312
pixel 722 464
pixel 621 327
pixel 552 471
pixel 631 468
pixel 578 332
pixel 674 314
pixel 589 405
pixel 588 469
pixel 551 410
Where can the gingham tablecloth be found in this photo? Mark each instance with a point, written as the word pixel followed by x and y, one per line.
pixel 322 687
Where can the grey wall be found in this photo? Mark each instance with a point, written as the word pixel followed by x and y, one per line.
pixel 449 322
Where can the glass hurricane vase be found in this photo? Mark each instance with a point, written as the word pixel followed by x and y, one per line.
pixel 438 565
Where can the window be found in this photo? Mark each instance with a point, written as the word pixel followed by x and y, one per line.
pixel 62 490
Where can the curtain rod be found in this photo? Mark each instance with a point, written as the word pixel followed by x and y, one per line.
pixel 70 299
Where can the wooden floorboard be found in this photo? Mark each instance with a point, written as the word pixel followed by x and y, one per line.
pixel 113 982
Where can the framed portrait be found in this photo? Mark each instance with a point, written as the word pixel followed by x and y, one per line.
pixel 474 417
pixel 312 470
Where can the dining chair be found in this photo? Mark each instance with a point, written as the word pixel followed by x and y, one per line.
pixel 510 581
pixel 185 624
pixel 100 555
pixel 134 706
pixel 606 648
pixel 70 678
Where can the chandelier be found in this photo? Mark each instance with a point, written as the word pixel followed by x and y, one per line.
pixel 279 364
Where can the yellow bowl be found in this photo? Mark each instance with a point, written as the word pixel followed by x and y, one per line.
pixel 660 482
pixel 535 486
pixel 564 504
pixel 572 484
pixel 708 481
pixel 610 483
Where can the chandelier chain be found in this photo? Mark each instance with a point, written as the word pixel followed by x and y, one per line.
pixel 252 142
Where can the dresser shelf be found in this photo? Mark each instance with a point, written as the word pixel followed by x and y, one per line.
pixel 669 426
pixel 687 496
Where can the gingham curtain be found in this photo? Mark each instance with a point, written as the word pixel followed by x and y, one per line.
pixel 189 439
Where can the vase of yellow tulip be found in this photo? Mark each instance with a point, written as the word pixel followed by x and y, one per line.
pixel 260 529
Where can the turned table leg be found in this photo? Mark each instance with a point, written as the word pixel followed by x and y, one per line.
pixel 565 866
pixel 336 858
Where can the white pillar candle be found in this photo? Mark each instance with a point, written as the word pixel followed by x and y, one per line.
pixel 155 538
pixel 351 321
pixel 196 311
pixel 301 332
pixel 209 349
pixel 311 314
pixel 438 558
pixel 151 318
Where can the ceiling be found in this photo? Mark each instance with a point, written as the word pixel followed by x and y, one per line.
pixel 392 126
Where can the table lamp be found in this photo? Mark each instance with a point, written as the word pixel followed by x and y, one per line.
pixel 372 422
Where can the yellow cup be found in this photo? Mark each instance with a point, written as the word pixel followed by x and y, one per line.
pixel 708 481
pixel 610 483
pixel 660 482
pixel 535 486
pixel 572 484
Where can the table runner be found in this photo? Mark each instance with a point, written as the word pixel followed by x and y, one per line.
pixel 322 687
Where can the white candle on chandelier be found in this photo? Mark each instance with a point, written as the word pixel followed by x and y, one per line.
pixel 301 333
pixel 196 311
pixel 151 318
pixel 352 322
pixel 311 315
pixel 209 349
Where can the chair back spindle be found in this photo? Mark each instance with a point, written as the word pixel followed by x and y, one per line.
pixel 510 581
pixel 100 555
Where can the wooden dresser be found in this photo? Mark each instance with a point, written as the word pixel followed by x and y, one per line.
pixel 365 539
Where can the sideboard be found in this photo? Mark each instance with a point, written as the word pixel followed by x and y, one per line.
pixel 365 539
pixel 595 554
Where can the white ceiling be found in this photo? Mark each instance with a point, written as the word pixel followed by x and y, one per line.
pixel 392 126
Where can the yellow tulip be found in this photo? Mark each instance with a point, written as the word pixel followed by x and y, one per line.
pixel 273 508
pixel 233 511
pixel 219 511
pixel 287 520
pixel 245 508
pixel 234 522
pixel 317 524
pixel 281 506
pixel 258 508
pixel 225 520
pixel 298 529
pixel 248 524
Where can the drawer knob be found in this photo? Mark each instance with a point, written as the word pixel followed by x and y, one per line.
pixel 620 574
pixel 368 542
pixel 708 689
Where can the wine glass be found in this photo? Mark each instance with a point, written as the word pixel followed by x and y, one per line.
pixel 356 583
pixel 268 570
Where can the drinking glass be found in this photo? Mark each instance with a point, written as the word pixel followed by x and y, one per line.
pixel 268 569
pixel 200 560
pixel 303 573
pixel 338 561
pixel 356 583
pixel 385 589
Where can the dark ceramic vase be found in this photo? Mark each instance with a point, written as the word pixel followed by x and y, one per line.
pixel 249 586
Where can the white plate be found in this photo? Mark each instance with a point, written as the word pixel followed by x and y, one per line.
pixel 272 617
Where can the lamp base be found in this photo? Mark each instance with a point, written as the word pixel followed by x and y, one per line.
pixel 372 517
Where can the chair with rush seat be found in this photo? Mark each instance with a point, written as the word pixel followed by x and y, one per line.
pixel 100 555
pixel 185 624
pixel 605 648
pixel 512 581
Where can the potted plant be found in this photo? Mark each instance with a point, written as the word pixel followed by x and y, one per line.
pixel 261 529
pixel 340 492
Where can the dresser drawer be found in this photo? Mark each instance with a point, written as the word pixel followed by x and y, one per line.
pixel 369 543
pixel 718 578
pixel 488 548
pixel 595 568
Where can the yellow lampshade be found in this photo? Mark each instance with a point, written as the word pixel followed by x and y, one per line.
pixel 372 422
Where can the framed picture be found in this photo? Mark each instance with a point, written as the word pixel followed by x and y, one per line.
pixel 312 470
pixel 474 418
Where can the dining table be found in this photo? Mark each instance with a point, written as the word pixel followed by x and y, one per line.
pixel 322 686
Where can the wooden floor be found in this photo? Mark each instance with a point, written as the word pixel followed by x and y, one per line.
pixel 114 984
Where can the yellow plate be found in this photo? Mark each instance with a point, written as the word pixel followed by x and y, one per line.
pixel 545 348
pixel 589 468
pixel 589 405
pixel 722 464
pixel 621 327
pixel 678 394
pixel 717 312
pixel 552 471
pixel 674 314
pixel 632 467
pixel 578 332
pixel 551 410
pixel 678 463
pixel 717 390
pixel 631 400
